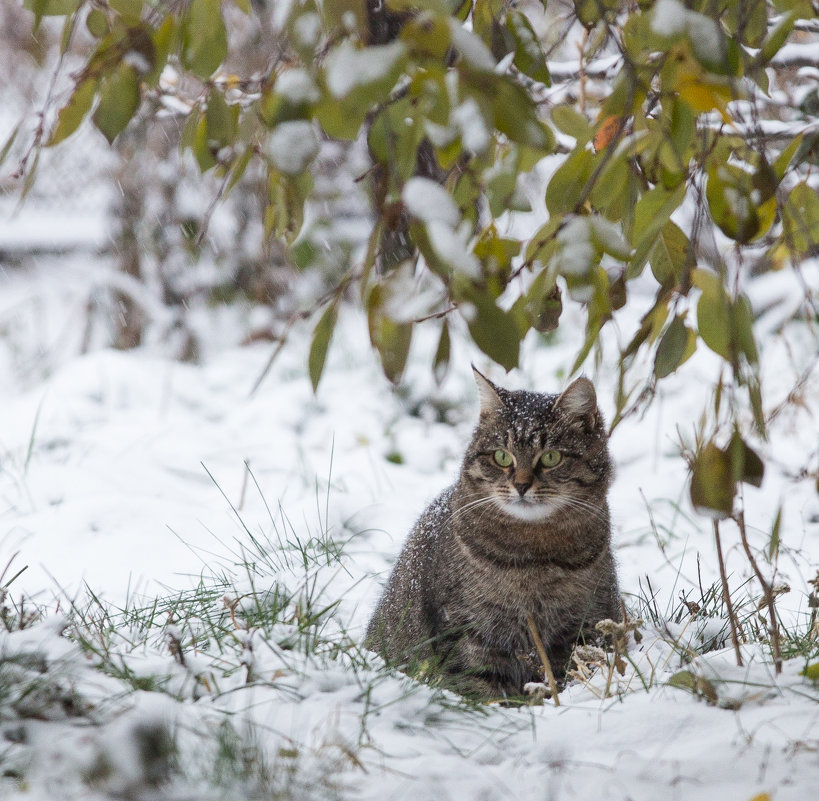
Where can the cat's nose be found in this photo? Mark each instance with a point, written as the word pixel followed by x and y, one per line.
pixel 522 486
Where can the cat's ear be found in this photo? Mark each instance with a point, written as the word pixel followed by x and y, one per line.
pixel 579 400
pixel 487 392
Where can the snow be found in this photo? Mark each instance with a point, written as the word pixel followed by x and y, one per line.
pixel 138 476
pixel 671 18
pixel 292 146
pixel 349 67
pixel 428 201
pixel 452 247
pixel 472 125
pixel 297 85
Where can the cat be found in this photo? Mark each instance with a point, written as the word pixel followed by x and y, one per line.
pixel 523 533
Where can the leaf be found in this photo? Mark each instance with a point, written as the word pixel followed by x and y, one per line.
pixel 543 302
pixel 73 112
pixel 9 143
pixel 51 8
pixel 714 314
pixel 566 185
pixel 511 108
pixel 529 56
pixel 800 219
pixel 221 120
pixel 128 9
pixel 773 542
pixel 669 255
pixel 696 685
pixel 672 348
pixel 728 192
pixel 712 483
pixel 607 130
pixel 440 364
pixel 427 35
pixel 746 465
pixel 97 23
pixel 204 38
pixel 742 321
pixel 493 330
pixel 390 338
pixel 119 100
pixel 322 334
pixel 811 672
pixel 570 121
pixel 652 212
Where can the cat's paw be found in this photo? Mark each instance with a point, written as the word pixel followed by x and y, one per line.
pixel 536 691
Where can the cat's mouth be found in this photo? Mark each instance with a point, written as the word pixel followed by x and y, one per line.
pixel 526 509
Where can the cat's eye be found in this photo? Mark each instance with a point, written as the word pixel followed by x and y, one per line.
pixel 551 458
pixel 502 458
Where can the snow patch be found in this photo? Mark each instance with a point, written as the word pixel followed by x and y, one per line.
pixel 429 202
pixel 349 67
pixel 298 86
pixel 292 146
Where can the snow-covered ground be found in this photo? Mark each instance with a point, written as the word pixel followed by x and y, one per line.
pixel 132 476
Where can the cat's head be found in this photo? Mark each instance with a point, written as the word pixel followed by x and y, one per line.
pixel 533 454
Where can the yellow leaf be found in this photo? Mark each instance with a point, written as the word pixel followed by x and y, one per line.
pixel 704 95
pixel 761 797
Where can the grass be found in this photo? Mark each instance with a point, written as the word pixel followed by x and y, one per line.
pixel 264 621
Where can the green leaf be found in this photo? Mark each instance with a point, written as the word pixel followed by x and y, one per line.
pixel 742 321
pixel 204 38
pixel 9 143
pixel 746 466
pixel 73 113
pixel 696 685
pixel 119 100
pixel 777 36
pixel 712 483
pixel 544 303
pixel 672 348
pixel 130 10
pixel 440 364
pixel 728 192
pixel 427 36
pixel 493 330
pixel 773 543
pixel 800 219
pixel 570 121
pixel 780 166
pixel 201 146
pixel 322 334
pixel 511 108
pixel 97 23
pixel 390 338
pixel 221 120
pixel 566 185
pixel 669 255
pixel 51 8
pixel 529 56
pixel 714 314
pixel 651 214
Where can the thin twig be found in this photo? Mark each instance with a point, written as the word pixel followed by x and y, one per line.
pixel 726 595
pixel 547 665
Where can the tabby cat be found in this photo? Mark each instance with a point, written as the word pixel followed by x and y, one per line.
pixel 522 536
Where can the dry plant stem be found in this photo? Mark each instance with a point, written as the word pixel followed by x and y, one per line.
pixel 767 592
pixel 726 595
pixel 547 665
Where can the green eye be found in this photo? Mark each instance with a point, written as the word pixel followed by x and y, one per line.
pixel 503 458
pixel 551 458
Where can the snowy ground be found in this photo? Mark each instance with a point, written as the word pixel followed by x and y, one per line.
pixel 134 477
